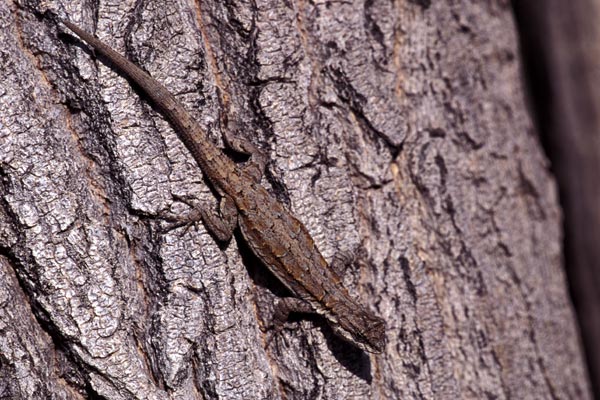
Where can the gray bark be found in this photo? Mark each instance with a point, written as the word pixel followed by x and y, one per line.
pixel 396 128
pixel 563 41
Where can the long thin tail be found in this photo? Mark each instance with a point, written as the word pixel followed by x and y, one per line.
pixel 162 98
pixel 188 130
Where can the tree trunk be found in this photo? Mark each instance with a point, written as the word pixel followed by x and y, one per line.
pixel 562 39
pixel 397 129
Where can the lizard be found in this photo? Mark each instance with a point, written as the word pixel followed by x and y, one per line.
pixel 277 238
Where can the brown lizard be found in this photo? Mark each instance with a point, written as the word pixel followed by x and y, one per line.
pixel 275 236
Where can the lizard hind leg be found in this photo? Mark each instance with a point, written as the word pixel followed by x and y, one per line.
pixel 255 166
pixel 220 226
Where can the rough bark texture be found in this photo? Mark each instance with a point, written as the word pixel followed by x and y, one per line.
pixel 396 127
pixel 562 40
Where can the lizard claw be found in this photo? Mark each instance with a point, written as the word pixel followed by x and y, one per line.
pixel 170 226
pixel 273 332
pixel 184 199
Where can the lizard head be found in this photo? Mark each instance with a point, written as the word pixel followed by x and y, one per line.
pixel 363 329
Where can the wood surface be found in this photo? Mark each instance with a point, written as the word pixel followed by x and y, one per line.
pixel 397 128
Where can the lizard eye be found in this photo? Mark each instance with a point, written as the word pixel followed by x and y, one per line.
pixel 374 336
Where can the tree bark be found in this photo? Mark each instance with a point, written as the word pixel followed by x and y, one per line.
pixel 398 129
pixel 562 40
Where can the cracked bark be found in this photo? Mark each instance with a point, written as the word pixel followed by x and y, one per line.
pixel 397 128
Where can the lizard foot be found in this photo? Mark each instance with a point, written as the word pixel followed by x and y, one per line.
pixel 278 321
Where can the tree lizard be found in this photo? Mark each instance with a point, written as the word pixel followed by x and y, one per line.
pixel 273 234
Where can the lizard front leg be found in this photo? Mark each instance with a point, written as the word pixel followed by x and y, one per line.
pixel 282 309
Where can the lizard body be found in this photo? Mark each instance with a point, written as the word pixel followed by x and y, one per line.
pixel 276 237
